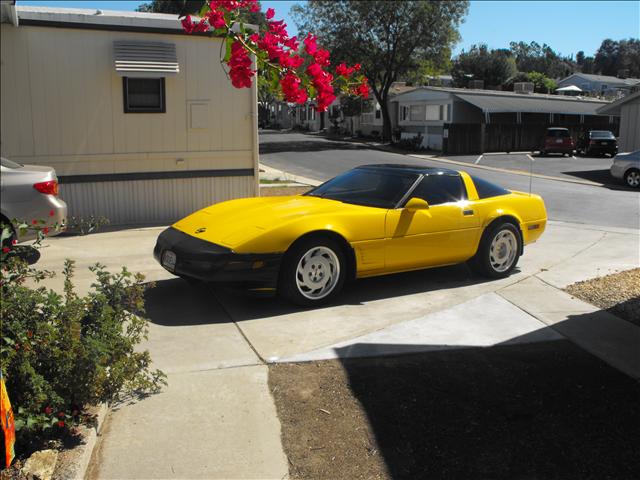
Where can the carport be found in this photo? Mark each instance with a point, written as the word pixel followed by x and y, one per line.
pixel 516 122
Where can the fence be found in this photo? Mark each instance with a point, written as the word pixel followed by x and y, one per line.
pixel 471 138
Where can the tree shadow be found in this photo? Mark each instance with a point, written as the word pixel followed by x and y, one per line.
pixel 545 410
pixel 309 146
pixel 28 253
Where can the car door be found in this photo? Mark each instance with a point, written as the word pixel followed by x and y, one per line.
pixel 445 233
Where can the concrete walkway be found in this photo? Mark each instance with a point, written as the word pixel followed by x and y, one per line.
pixel 217 419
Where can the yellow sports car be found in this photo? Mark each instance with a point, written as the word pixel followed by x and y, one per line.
pixel 372 220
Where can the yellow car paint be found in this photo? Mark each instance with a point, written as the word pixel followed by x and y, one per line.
pixel 384 240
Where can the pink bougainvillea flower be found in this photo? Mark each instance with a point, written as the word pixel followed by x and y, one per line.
pixel 322 57
pixel 240 65
pixel 48 410
pixel 34 222
pixel 51 213
pixel 344 71
pixel 357 67
pixel 14 241
pixel 6 249
pixel 310 44
pixel 362 90
pixel 61 424
pixel 270 13
pixel 216 19
pixel 45 230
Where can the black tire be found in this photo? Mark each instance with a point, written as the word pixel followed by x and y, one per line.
pixel 482 261
pixel 331 264
pixel 632 178
pixel 543 153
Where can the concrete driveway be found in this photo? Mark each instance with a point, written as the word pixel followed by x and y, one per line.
pixel 216 419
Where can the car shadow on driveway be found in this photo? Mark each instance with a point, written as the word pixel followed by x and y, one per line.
pixel 534 410
pixel 176 302
pixel 244 307
pixel 601 176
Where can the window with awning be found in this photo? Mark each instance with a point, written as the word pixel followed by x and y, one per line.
pixel 145 59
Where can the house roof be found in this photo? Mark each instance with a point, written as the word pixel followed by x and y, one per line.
pixel 614 108
pixel 604 79
pixel 97 19
pixel 493 101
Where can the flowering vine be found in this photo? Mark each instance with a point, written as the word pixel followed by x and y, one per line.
pixel 299 70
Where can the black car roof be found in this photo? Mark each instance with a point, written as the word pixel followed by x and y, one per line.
pixel 405 168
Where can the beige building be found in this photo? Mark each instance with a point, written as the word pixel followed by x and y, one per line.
pixel 139 119
pixel 629 110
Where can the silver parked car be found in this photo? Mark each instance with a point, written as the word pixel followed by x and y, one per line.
pixel 626 166
pixel 30 192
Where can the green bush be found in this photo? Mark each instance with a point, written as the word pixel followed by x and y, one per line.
pixel 62 352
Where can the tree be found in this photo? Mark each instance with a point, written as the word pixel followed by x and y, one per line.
pixel 542 83
pixel 194 7
pixel 495 67
pixel 533 57
pixel 299 73
pixel 614 57
pixel 178 7
pixel 389 38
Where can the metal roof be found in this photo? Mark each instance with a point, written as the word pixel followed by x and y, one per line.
pixel 603 78
pixel 614 108
pixel 96 17
pixel 525 103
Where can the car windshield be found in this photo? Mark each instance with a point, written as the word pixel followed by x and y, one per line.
pixel 558 133
pixel 369 187
pixel 5 162
pixel 602 134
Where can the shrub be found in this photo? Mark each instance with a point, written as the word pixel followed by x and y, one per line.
pixel 412 143
pixel 62 352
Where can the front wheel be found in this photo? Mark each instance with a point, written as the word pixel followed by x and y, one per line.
pixel 313 272
pixel 498 252
pixel 632 178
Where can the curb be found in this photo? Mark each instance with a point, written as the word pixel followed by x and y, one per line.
pixel 78 469
pixel 288 176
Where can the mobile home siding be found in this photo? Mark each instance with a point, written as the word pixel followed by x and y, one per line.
pixel 62 105
pixel 630 126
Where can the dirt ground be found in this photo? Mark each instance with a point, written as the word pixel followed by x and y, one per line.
pixel 618 293
pixel 277 191
pixel 530 411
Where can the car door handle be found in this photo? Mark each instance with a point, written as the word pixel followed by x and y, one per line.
pixel 467 212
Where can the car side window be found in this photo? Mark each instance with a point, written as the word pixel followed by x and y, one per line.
pixel 438 189
pixel 487 189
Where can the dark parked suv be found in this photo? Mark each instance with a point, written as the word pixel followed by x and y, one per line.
pixel 557 140
pixel 597 142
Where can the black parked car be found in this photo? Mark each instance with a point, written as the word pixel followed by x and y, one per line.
pixel 597 142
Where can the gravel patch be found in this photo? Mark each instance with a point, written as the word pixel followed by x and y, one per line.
pixel 618 293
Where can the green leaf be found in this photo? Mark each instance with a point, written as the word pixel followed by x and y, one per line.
pixel 205 8
pixel 228 43
pixel 8 341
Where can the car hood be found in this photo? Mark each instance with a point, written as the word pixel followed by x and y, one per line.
pixel 233 222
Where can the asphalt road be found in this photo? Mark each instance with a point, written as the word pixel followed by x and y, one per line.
pixel 318 158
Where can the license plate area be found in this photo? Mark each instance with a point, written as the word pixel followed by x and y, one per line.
pixel 558 140
pixel 169 260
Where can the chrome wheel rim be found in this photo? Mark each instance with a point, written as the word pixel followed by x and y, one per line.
pixel 503 250
pixel 633 179
pixel 317 273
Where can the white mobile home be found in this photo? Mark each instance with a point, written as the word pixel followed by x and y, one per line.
pixel 139 119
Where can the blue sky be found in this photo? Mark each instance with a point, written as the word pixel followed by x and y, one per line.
pixel 567 26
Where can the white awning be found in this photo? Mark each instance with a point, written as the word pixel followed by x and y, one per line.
pixel 145 59
pixel 570 88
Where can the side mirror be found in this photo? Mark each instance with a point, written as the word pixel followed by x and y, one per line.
pixel 415 203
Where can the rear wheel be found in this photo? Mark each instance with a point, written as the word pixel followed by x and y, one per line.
pixel 313 272
pixel 632 178
pixel 499 251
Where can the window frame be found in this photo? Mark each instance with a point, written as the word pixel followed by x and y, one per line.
pixel 125 96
